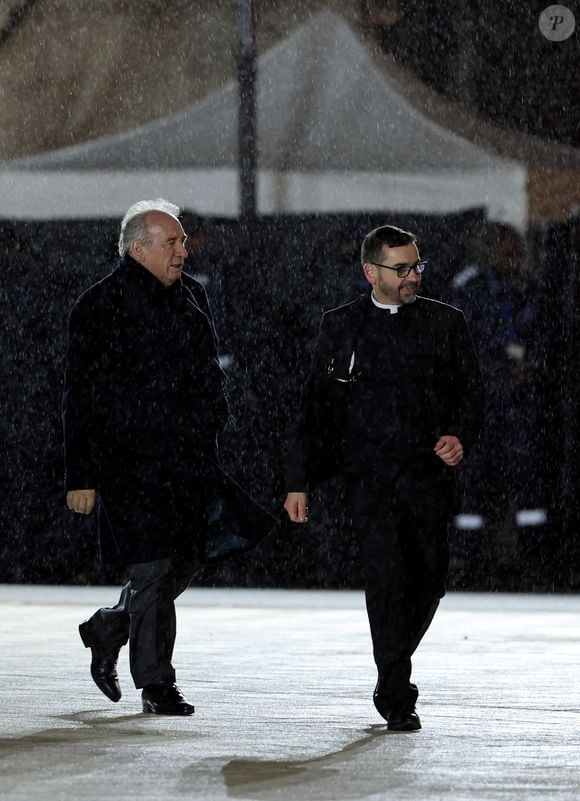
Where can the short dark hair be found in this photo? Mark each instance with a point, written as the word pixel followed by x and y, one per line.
pixel 388 235
pixel 191 222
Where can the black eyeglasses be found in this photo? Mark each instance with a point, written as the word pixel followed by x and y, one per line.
pixel 405 269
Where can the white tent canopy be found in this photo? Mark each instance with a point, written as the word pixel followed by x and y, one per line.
pixel 333 135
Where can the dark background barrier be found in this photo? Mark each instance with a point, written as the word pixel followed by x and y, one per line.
pixel 268 282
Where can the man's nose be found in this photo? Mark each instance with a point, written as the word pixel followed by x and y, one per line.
pixel 182 250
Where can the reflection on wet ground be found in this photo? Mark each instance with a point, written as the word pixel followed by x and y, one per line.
pixel 247 778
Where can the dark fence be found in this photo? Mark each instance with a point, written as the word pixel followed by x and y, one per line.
pixel 268 283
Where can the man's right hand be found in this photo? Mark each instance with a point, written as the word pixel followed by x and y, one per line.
pixel 81 501
pixel 296 504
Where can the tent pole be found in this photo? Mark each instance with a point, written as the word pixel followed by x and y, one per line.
pixel 246 69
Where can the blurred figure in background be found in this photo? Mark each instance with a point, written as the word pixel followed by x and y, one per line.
pixel 194 229
pixel 500 305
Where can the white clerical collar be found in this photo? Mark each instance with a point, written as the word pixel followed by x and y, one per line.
pixel 392 307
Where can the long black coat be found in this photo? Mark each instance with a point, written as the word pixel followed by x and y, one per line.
pixel 448 377
pixel 143 403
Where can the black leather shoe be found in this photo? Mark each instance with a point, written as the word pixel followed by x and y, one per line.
pixel 381 704
pixel 401 716
pixel 403 720
pixel 165 699
pixel 104 662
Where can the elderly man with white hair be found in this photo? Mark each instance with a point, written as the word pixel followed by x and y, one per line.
pixel 143 403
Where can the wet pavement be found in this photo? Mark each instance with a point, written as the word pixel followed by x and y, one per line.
pixel 282 683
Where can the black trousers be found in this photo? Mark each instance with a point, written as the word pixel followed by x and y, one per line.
pixel 401 525
pixel 145 617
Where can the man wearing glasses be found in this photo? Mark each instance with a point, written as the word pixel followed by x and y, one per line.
pixel 394 402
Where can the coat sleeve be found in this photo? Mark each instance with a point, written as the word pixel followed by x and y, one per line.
pixel 200 296
pixel 306 441
pixel 466 386
pixel 221 408
pixel 78 398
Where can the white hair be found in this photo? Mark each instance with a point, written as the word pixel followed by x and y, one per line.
pixel 133 228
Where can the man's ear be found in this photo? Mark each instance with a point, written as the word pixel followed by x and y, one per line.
pixel 370 273
pixel 136 250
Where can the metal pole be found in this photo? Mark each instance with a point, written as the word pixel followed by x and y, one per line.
pixel 465 23
pixel 568 383
pixel 246 68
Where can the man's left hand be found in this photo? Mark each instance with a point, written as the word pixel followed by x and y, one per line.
pixel 449 449
pixel 81 500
